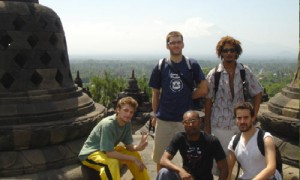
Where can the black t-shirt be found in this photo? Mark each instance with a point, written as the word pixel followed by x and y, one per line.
pixel 198 155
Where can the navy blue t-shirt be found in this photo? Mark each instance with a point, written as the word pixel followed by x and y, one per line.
pixel 176 95
pixel 197 156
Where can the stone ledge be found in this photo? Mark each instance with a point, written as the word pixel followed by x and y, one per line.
pixel 74 172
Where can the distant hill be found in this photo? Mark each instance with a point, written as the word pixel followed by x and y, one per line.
pixel 284 57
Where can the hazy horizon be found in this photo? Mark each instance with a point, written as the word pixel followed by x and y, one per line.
pixel 147 57
pixel 266 28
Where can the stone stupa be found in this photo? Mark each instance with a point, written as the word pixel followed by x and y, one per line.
pixel 280 116
pixel 134 91
pixel 44 116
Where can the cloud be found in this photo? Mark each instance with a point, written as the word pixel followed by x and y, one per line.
pixel 197 27
pixel 131 37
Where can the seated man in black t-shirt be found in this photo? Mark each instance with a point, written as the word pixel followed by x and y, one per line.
pixel 197 149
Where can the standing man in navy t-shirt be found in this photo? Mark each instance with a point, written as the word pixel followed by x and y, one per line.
pixel 175 81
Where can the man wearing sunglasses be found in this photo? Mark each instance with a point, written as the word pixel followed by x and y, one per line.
pixel 228 90
pixel 197 149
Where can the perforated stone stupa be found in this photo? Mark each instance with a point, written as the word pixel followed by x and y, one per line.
pixel 134 91
pixel 281 116
pixel 43 115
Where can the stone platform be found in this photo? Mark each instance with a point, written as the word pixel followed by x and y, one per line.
pixel 289 172
pixel 74 172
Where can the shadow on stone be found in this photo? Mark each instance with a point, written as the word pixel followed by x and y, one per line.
pixel 89 174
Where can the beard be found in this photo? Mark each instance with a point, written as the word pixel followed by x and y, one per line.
pixel 245 127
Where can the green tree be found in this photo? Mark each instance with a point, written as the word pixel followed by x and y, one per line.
pixel 105 89
pixel 143 84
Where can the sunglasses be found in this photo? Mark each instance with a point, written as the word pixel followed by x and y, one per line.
pixel 189 122
pixel 231 50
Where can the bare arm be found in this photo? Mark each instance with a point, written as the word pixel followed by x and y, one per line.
pixel 155 101
pixel 257 101
pixel 270 155
pixel 201 91
pixel 121 156
pixel 223 169
pixel 207 122
pixel 231 159
pixel 166 162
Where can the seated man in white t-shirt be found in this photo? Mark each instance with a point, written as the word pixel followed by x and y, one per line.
pixel 247 153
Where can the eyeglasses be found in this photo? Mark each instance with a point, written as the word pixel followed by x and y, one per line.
pixel 231 50
pixel 189 122
pixel 174 42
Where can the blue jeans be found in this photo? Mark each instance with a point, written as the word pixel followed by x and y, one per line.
pixel 166 174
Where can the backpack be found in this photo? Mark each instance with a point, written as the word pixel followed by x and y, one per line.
pixel 217 76
pixel 162 62
pixel 261 147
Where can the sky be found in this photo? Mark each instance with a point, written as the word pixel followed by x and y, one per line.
pixel 266 28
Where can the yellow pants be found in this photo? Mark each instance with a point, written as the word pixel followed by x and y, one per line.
pixel 109 168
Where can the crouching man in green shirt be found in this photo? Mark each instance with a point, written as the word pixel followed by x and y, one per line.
pixel 101 151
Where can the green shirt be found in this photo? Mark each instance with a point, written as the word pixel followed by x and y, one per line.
pixel 105 136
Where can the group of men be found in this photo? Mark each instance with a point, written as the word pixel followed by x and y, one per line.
pixel 175 82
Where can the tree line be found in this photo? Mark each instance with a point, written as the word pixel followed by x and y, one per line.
pixel 106 78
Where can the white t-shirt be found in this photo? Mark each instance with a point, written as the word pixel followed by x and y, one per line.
pixel 251 160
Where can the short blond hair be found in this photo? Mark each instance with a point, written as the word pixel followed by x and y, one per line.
pixel 127 100
pixel 173 34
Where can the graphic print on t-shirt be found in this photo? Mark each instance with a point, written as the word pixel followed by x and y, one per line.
pixel 194 155
pixel 176 84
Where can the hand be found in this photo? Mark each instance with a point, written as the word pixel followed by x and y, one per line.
pixel 185 175
pixel 153 121
pixel 143 142
pixel 139 164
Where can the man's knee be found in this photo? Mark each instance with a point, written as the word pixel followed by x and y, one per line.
pixel 113 162
pixel 136 154
pixel 166 174
pixel 164 171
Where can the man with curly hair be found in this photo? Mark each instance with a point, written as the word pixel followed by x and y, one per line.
pixel 228 91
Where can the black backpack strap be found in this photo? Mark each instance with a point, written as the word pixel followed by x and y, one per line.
pixel 261 147
pixel 243 73
pixel 189 65
pixel 243 77
pixel 236 140
pixel 234 144
pixel 217 76
pixel 260 141
pixel 238 171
